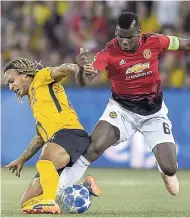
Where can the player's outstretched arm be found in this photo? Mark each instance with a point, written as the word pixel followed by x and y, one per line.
pixel 63 70
pixel 34 146
pixel 184 44
pixel 17 165
pixel 175 43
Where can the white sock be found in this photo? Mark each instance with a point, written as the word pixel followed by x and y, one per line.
pixel 71 175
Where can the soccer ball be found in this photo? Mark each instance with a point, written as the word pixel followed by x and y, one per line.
pixel 76 199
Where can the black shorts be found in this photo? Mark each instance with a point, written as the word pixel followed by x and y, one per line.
pixel 74 141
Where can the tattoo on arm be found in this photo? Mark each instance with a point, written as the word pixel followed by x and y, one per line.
pixel 71 67
pixel 36 143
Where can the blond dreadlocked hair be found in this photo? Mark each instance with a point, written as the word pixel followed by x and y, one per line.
pixel 24 66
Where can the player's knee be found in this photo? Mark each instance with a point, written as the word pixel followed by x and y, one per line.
pixel 59 157
pixel 60 160
pixel 169 170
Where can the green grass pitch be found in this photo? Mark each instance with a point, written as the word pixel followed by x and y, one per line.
pixel 126 193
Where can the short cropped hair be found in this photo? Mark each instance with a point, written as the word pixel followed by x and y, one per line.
pixel 127 20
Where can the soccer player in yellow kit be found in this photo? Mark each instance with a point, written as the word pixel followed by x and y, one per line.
pixel 59 131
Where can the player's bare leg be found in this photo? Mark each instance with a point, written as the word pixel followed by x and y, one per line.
pixel 165 154
pixel 33 195
pixel 33 190
pixel 104 136
pixel 59 158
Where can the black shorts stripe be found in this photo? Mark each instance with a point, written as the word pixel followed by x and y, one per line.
pixel 57 104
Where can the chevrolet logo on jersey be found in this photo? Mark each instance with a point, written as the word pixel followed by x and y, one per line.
pixel 137 68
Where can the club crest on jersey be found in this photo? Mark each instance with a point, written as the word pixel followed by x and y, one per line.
pixel 113 114
pixel 147 54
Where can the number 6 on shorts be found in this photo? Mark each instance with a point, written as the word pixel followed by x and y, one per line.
pixel 166 128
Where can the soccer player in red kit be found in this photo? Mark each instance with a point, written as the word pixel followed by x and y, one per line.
pixel 131 61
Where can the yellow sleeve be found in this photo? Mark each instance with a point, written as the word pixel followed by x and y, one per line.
pixel 43 77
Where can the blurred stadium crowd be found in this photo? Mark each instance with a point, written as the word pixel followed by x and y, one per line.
pixel 53 31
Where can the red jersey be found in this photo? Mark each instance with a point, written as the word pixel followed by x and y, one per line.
pixel 135 79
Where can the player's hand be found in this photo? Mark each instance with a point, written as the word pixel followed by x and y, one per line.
pixel 15 166
pixel 90 70
pixel 82 59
